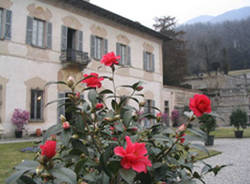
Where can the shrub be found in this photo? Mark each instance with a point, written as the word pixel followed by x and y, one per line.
pixel 238 119
pixel 207 123
pixel 104 143
pixel 20 118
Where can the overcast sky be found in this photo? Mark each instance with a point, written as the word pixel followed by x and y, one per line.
pixel 144 11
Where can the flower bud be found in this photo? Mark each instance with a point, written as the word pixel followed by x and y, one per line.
pixel 62 118
pixel 70 81
pixel 139 88
pixel 99 106
pixel 108 119
pixel 53 137
pixel 78 95
pixel 66 125
pixel 117 117
pixel 75 136
pixel 39 169
pixel 141 104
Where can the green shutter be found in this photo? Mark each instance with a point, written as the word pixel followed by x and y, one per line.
pixel 29 28
pixel 49 35
pixel 128 56
pixel 118 51
pixel 8 16
pixel 144 60
pixel 79 43
pixel 105 50
pixel 92 46
pixel 153 63
pixel 64 34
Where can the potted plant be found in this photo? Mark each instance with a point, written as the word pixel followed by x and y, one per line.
pixel 19 119
pixel 208 124
pixel 238 119
pixel 175 117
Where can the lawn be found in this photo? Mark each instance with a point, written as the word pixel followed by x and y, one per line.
pixel 10 156
pixel 228 132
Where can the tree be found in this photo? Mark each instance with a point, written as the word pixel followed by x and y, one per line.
pixel 174 52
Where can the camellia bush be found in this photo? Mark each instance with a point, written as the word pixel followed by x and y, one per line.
pixel 105 141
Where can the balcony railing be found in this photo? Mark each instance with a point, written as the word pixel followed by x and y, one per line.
pixel 74 57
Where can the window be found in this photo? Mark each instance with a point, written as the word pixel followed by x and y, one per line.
pixel 36 111
pixel 71 39
pixel 148 61
pixel 38 33
pixel 166 107
pixel 148 109
pixel 123 51
pixel 99 47
pixel 5 24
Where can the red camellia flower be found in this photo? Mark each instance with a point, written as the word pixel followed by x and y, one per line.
pixel 133 156
pixel 49 149
pixel 110 59
pixel 66 125
pixel 99 106
pixel 159 114
pixel 93 81
pixel 200 104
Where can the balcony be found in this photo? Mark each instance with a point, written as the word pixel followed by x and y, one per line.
pixel 74 58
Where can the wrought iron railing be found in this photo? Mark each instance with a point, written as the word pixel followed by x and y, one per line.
pixel 73 56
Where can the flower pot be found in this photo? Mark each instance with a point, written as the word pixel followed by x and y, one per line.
pixel 38 132
pixel 238 133
pixel 19 134
pixel 210 140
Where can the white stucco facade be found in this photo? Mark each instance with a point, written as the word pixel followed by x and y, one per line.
pixel 23 67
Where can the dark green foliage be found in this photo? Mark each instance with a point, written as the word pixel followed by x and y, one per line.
pixel 238 119
pixel 207 123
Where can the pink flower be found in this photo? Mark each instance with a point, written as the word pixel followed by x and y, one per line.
pixel 200 104
pixel 111 128
pixel 49 149
pixel 99 106
pixel 133 156
pixel 66 125
pixel 181 128
pixel 158 115
pixel 110 59
pixel 114 139
pixel 93 81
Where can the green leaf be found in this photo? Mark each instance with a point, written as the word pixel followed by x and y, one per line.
pixel 65 137
pixel 106 91
pixel 15 176
pixel 114 105
pixel 63 174
pixel 53 130
pixel 57 100
pixel 127 175
pixel 78 145
pixel 200 147
pixel 55 82
pixel 92 96
pixel 27 165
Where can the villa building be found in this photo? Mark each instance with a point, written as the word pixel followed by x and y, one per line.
pixel 50 40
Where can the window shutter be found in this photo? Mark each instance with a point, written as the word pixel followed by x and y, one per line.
pixel 105 49
pixel 29 28
pixel 1 89
pixel 118 51
pixel 79 37
pixel 153 63
pixel 64 34
pixel 60 106
pixel 49 35
pixel 128 56
pixel 92 46
pixel 1 23
pixel 8 25
pixel 153 105
pixel 144 60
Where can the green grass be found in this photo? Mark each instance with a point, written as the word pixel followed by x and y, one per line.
pixel 228 132
pixel 10 156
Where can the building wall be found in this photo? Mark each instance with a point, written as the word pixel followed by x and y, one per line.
pixel 23 67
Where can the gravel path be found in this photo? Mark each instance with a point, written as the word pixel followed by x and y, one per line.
pixel 235 152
